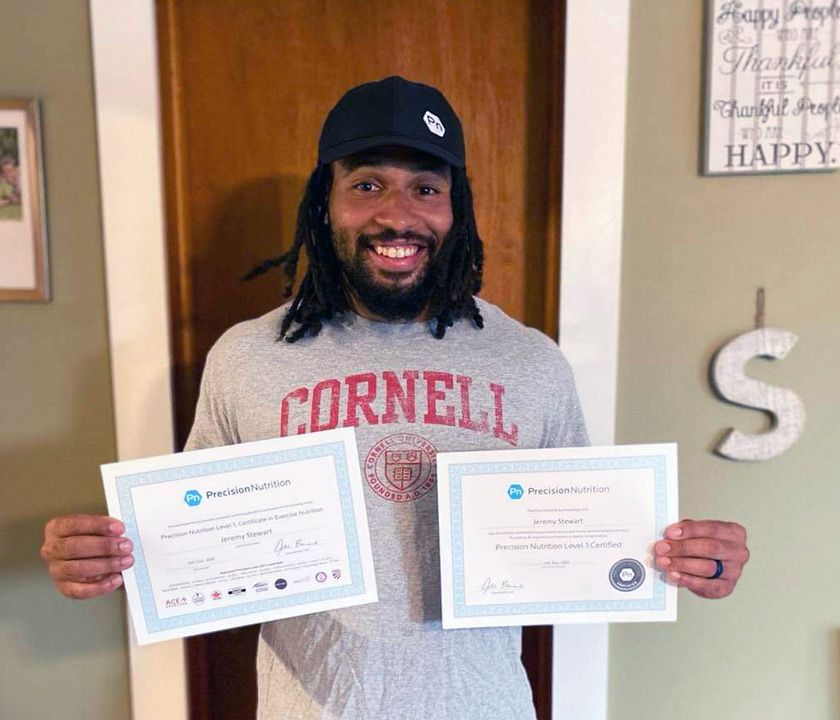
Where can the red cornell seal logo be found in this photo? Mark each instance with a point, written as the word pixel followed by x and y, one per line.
pixel 401 467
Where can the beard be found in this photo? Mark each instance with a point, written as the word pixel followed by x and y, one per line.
pixel 389 298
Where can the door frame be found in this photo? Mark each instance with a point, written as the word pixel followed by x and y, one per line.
pixel 127 110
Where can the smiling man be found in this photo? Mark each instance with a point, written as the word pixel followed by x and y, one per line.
pixel 385 334
pixel 390 211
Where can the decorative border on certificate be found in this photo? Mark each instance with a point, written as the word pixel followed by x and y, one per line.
pixel 456 475
pixel 301 476
pixel 335 450
pixel 642 480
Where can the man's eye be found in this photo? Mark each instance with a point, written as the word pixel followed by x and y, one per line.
pixel 365 186
pixel 428 190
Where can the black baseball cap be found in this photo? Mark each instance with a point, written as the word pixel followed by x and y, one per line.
pixel 393 111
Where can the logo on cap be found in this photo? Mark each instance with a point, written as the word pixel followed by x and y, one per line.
pixel 434 124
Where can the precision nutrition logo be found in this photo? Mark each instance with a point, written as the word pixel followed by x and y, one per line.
pixel 434 124
pixel 251 487
pixel 193 498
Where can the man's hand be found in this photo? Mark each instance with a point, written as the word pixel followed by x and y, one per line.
pixel 85 554
pixel 690 548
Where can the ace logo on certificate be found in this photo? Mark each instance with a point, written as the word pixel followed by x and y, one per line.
pixel 243 534
pixel 539 537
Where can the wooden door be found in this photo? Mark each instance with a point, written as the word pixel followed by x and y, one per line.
pixel 245 87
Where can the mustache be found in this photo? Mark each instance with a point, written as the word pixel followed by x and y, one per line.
pixel 392 236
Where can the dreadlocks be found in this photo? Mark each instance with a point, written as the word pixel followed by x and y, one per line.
pixel 454 272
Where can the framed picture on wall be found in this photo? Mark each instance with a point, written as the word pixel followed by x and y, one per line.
pixel 772 101
pixel 23 236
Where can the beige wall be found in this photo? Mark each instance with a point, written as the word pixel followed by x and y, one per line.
pixel 695 250
pixel 58 658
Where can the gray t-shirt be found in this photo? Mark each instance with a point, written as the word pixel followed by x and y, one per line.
pixel 409 396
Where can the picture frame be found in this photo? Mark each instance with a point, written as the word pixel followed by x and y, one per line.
pixel 24 260
pixel 772 104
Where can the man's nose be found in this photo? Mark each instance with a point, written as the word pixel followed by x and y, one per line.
pixel 396 212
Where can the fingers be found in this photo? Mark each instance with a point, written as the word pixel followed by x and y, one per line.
pixel 690 549
pixel 705 539
pixel 699 567
pixel 701 548
pixel 70 525
pixel 704 587
pixel 688 529
pixel 89 571
pixel 86 591
pixel 709 548
pixel 85 546
pixel 85 554
pixel 79 536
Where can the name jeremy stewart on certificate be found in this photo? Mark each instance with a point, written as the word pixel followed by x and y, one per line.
pixel 243 534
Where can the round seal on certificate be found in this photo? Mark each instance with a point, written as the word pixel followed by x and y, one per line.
pixel 627 575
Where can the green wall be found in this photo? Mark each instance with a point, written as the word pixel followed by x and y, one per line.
pixel 695 250
pixel 58 658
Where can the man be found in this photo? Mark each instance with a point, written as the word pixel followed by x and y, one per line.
pixel 386 335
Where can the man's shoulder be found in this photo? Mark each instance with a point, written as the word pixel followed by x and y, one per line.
pixel 247 336
pixel 515 343
pixel 500 325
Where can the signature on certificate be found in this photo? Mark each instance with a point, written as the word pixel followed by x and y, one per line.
pixel 299 544
pixel 491 585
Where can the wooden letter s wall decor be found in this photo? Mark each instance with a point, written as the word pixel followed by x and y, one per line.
pixel 732 383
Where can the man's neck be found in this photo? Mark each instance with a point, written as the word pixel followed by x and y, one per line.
pixel 362 310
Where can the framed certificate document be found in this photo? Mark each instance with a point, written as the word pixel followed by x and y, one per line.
pixel 243 534
pixel 537 537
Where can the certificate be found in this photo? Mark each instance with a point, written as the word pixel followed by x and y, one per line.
pixel 243 534
pixel 536 537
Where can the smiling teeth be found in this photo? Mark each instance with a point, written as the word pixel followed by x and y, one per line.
pixel 396 252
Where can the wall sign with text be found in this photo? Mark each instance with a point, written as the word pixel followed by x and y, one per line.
pixel 772 86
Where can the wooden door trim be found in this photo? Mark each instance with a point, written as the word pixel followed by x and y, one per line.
pixel 554 153
pixel 597 64
pixel 543 309
pixel 156 673
pixel 185 363
pixel 538 642
pixel 125 74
